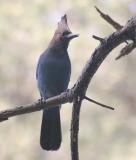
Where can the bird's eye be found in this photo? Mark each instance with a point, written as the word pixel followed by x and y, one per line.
pixel 66 33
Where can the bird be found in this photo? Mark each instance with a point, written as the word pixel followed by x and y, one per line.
pixel 53 75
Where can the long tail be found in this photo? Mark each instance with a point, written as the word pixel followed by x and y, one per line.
pixel 51 129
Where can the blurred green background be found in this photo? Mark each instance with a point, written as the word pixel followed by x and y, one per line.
pixel 26 28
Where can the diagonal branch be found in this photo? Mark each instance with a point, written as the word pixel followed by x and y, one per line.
pixel 107 18
pixel 98 103
pixel 98 56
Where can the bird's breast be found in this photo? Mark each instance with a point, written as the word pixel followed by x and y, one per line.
pixel 54 74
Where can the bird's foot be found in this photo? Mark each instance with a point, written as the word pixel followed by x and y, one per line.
pixel 41 100
pixel 67 90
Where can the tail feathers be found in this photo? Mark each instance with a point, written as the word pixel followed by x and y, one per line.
pixel 51 129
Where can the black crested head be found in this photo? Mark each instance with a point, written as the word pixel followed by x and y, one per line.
pixel 62 35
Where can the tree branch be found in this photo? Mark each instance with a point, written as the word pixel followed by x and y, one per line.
pixel 108 19
pixel 98 38
pixel 75 128
pixel 98 56
pixel 64 97
pixel 126 50
pixel 129 47
pixel 98 103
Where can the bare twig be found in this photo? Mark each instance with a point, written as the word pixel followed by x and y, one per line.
pixel 107 18
pixel 102 40
pixel 126 50
pixel 98 103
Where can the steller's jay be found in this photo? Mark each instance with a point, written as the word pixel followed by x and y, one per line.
pixel 53 75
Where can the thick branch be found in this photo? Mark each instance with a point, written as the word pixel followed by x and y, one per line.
pixel 88 72
pixel 75 128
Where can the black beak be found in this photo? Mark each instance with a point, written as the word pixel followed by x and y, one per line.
pixel 71 35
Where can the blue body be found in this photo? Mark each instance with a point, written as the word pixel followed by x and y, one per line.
pixel 53 75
